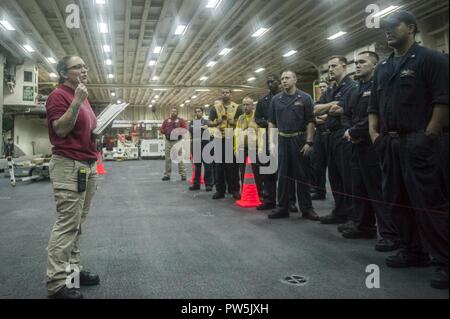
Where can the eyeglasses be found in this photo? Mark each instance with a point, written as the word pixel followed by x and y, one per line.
pixel 78 67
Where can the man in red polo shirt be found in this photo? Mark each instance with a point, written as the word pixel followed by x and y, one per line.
pixel 73 172
pixel 173 123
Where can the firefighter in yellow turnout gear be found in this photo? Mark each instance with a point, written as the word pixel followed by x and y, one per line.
pixel 246 138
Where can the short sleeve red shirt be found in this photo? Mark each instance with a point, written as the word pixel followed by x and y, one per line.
pixel 79 144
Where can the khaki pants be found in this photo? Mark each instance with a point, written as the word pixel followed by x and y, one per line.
pixel 181 167
pixel 72 208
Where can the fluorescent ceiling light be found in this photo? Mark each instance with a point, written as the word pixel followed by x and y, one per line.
pixel 153 101
pixel 251 79
pixel 206 105
pixel 386 11
pixel 100 2
pixel 119 101
pixel 194 97
pixel 28 47
pixel 106 48
pixel 152 63
pixel 51 60
pixel 156 97
pixel 161 89
pixel 108 62
pixel 7 25
pixel 337 35
pixel 225 51
pixel 103 27
pixel 157 50
pixel 181 105
pixel 202 90
pixel 259 70
pixel 290 53
pixel 212 4
pixel 203 78
pixel 150 106
pixel 260 32
pixel 53 75
pixel 111 76
pixel 113 94
pixel 181 29
pixel 211 64
pixel 155 78
pixel 238 90
pixel 187 101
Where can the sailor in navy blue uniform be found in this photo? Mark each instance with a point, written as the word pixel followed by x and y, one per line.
pixel 368 209
pixel 408 112
pixel 319 155
pixel 292 114
pixel 262 114
pixel 339 149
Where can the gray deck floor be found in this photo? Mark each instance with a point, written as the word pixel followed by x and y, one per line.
pixel 150 239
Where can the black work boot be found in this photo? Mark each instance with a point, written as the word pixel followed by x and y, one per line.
pixel 218 195
pixel 279 213
pixel 440 278
pixel 358 234
pixel 332 219
pixel 311 215
pixel 88 279
pixel 404 260
pixel 237 195
pixel 66 293
pixel 347 226
pixel 386 244
pixel 266 206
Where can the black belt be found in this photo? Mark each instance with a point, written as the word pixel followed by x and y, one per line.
pixel 285 134
pixel 335 129
pixel 398 133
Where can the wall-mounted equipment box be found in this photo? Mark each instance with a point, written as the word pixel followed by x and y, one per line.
pixel 24 90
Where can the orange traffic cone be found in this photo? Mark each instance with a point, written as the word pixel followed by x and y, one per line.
pixel 100 167
pixel 250 196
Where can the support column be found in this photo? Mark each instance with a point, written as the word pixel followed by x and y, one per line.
pixel 2 83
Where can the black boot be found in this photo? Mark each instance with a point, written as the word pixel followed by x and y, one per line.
pixel 440 278
pixel 266 206
pixel 279 213
pixel 333 219
pixel 88 279
pixel 236 195
pixel 66 293
pixel 404 260
pixel 311 215
pixel 358 234
pixel 218 195
pixel 386 244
